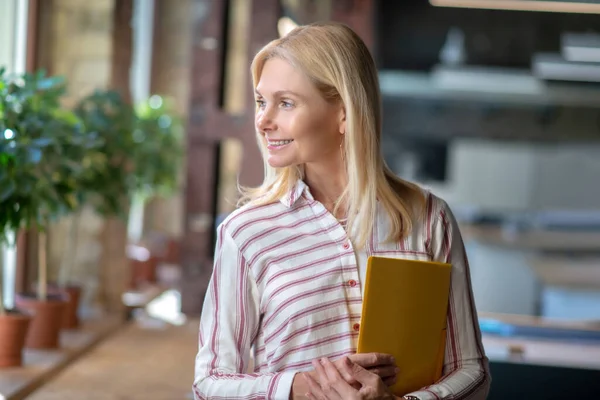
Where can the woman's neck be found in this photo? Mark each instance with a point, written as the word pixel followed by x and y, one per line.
pixel 326 185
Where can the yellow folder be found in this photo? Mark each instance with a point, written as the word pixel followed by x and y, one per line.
pixel 404 314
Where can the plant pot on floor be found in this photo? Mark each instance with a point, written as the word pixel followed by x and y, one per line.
pixel 45 327
pixel 13 331
pixel 72 295
pixel 172 255
pixel 71 316
pixel 143 272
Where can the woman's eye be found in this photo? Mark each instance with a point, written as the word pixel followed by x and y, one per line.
pixel 260 103
pixel 287 104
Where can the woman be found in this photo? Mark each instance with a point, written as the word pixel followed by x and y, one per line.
pixel 290 263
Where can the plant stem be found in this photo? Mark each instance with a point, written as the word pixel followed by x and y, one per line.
pixel 70 253
pixel 2 268
pixel 42 267
pixel 135 223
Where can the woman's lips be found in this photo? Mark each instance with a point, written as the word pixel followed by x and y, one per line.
pixel 278 144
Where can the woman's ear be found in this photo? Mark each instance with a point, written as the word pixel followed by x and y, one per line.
pixel 342 123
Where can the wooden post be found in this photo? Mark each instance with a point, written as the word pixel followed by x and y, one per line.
pixel 122 48
pixel 26 239
pixel 358 15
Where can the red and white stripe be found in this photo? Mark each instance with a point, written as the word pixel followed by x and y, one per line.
pixel 284 292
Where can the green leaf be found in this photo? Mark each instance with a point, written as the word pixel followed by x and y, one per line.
pixel 7 189
pixel 42 142
pixel 4 159
pixel 49 83
pixel 34 155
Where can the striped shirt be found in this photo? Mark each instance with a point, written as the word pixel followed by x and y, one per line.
pixel 286 289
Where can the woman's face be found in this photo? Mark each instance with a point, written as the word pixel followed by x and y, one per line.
pixel 300 126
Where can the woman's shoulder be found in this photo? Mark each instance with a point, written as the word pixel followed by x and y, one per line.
pixel 425 204
pixel 248 215
pixel 435 209
pixel 435 203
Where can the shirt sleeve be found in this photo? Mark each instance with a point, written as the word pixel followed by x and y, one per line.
pixel 466 367
pixel 228 327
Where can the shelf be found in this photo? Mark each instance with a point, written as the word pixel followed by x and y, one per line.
pixel 487 85
pixel 489 104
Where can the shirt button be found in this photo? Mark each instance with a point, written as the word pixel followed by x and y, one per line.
pixel 352 283
pixel 356 327
pixel 346 245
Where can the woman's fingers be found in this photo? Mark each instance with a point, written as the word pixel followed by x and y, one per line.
pixel 345 374
pixel 315 391
pixel 327 378
pixel 344 378
pixel 385 372
pixel 390 381
pixel 365 377
pixel 372 385
pixel 370 360
pixel 342 387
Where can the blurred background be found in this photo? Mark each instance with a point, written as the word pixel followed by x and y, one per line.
pixel 126 125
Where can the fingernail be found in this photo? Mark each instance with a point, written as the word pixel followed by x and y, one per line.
pixel 393 360
pixel 396 370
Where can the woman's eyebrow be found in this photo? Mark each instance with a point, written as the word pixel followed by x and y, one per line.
pixel 281 93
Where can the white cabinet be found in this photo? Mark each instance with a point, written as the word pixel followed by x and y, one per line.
pixel 513 176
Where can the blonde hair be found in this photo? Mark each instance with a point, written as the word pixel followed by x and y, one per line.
pixel 341 67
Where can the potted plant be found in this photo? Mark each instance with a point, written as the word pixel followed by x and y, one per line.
pixel 104 183
pixel 156 162
pixel 13 322
pixel 44 154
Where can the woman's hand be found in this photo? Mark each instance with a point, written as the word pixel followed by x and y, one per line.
pixel 331 385
pixel 382 365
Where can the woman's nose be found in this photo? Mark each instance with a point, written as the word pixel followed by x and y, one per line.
pixel 264 121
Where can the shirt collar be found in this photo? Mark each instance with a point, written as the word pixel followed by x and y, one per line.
pixel 295 192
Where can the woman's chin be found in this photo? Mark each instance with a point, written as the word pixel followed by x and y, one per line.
pixel 276 162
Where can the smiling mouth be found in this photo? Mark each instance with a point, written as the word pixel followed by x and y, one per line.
pixel 277 143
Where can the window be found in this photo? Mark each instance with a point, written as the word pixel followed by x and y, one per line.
pixel 13 50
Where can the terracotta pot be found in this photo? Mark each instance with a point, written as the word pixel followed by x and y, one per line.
pixel 44 330
pixel 13 331
pixel 72 294
pixel 70 316
pixel 143 271
pixel 173 252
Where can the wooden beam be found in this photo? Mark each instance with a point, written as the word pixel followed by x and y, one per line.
pixel 358 15
pixel 33 31
pixel 122 48
pixel 37 27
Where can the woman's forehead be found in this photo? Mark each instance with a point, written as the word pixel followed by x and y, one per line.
pixel 279 76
